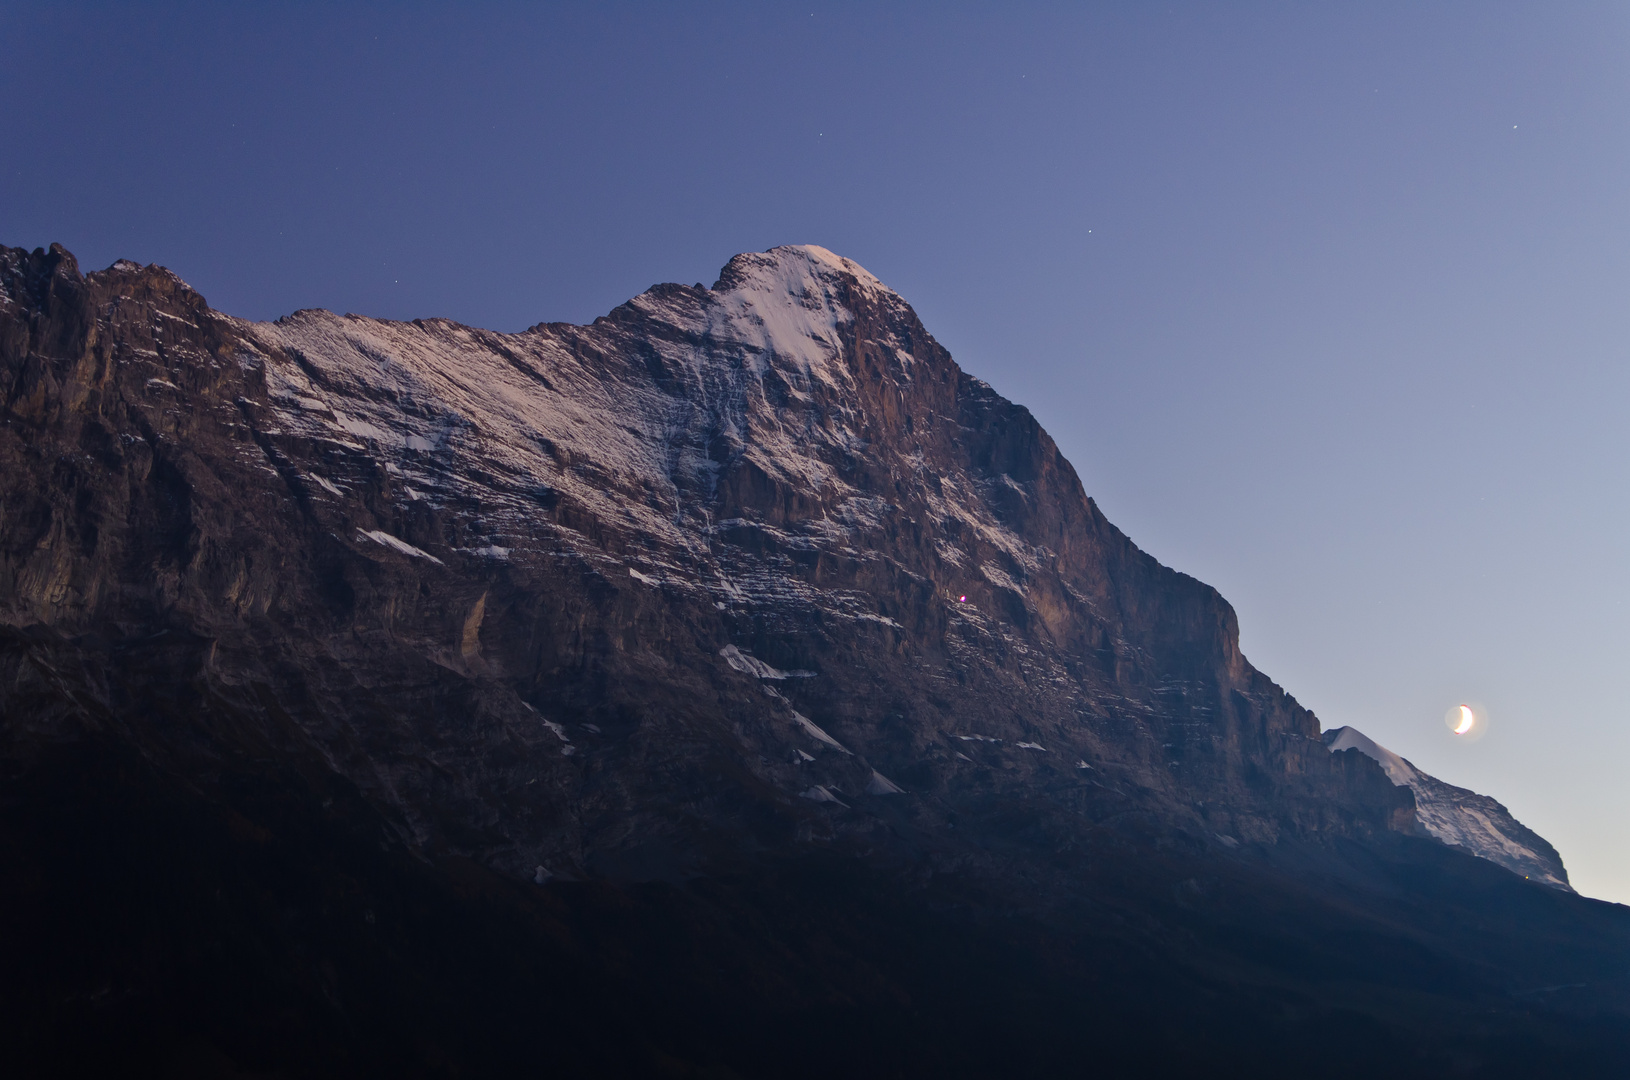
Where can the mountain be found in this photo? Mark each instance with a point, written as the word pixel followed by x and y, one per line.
pixel 1461 818
pixel 732 686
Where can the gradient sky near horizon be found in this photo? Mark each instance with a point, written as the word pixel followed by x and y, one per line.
pixel 1328 304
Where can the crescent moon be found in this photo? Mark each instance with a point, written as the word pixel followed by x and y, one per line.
pixel 1466 721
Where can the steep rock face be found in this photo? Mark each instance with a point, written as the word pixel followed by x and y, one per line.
pixel 578 597
pixel 1461 818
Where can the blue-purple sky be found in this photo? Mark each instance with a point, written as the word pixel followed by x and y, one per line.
pixel 1328 303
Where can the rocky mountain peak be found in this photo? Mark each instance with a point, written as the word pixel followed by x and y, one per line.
pixel 689 613
pixel 794 269
pixel 787 465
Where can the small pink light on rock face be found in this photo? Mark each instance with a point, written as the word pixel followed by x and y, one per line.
pixel 963 599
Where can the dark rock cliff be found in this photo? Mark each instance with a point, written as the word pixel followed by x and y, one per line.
pixel 622 647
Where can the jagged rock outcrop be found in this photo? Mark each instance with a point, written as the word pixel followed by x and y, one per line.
pixel 734 592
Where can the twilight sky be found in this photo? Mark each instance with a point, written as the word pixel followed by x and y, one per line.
pixel 1328 304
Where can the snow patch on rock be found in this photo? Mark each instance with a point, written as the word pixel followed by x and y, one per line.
pixel 744 662
pixel 402 546
pixel 882 785
pixel 814 730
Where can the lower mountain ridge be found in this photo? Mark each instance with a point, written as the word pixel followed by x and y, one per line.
pixel 1461 818
pixel 732 687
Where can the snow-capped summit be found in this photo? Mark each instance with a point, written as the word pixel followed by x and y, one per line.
pixel 1462 818
pixel 790 302
pixel 781 267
